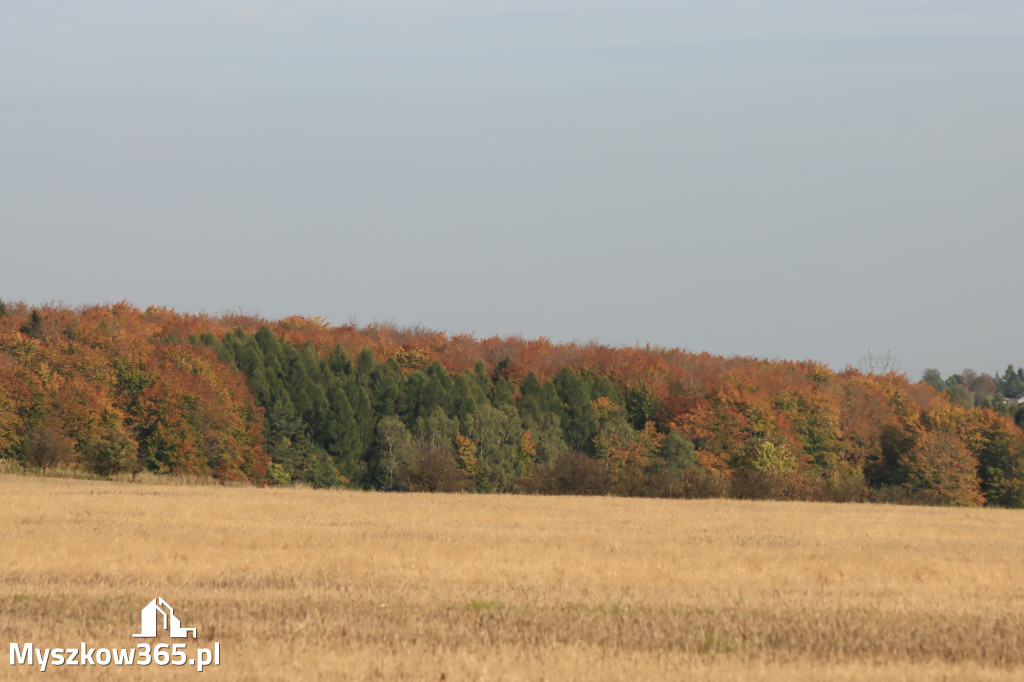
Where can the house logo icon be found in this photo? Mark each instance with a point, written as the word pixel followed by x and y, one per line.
pixel 150 620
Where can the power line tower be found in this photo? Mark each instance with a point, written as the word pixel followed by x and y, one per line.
pixel 876 363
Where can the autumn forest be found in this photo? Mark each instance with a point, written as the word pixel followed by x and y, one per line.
pixel 114 390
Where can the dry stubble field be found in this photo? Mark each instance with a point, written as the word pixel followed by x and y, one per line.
pixel 300 584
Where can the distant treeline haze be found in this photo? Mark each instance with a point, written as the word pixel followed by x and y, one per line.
pixel 112 389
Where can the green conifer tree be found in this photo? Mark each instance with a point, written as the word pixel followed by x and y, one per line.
pixel 463 401
pixel 342 438
pixel 580 417
pixel 366 361
pixel 385 385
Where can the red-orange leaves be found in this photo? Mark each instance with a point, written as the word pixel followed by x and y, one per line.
pixel 940 469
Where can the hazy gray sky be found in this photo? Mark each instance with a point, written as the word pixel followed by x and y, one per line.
pixel 768 178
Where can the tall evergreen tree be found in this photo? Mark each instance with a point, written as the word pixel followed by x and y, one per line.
pixel 363 413
pixel 482 381
pixel 341 433
pixel 531 399
pixel 580 419
pixel 365 363
pixel 463 401
pixel 438 372
pixel 502 391
pixel 385 385
pixel 603 387
pixel 437 392
pixel 311 362
pixel 409 402
pixel 267 341
pixel 248 355
pixel 338 363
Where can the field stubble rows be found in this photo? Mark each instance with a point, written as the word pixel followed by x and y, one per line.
pixel 302 584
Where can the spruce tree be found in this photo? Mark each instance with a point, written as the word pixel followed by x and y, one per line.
pixel 338 363
pixel 502 391
pixel 441 386
pixel 580 418
pixel 386 388
pixel 365 363
pixel 463 401
pixel 311 362
pixel 483 381
pixel 411 403
pixel 341 434
pixel 531 399
pixel 267 341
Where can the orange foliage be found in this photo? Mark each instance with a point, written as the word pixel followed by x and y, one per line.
pixel 101 373
pixel 128 389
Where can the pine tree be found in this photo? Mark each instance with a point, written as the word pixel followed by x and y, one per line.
pixel 385 385
pixel 531 399
pixel 411 402
pixel 34 326
pixel 580 419
pixel 482 381
pixel 604 387
pixel 338 363
pixel 502 392
pixel 341 433
pixel 463 401
pixel 366 361
pixel 267 341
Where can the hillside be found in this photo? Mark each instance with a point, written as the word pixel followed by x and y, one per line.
pixel 114 389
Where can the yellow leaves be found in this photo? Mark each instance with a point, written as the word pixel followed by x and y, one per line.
pixel 186 359
pixel 527 452
pixel 626 465
pixel 44 372
pixel 411 358
pixel 298 323
pixel 20 347
pixel 650 439
pixel 769 457
pixel 943 470
pixel 605 408
pixel 944 417
pixel 629 457
pixel 466 455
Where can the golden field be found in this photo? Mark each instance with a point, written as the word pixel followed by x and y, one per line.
pixel 298 584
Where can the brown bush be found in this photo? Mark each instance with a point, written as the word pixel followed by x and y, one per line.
pixel 432 467
pixel 45 445
pixel 571 472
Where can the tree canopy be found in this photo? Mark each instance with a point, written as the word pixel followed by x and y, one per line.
pixel 117 389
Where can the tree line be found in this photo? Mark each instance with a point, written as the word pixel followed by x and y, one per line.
pixel 1002 392
pixel 336 420
pixel 116 389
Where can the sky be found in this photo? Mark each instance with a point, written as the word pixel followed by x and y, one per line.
pixel 772 178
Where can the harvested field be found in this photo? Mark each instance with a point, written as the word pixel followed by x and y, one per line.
pixel 303 584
